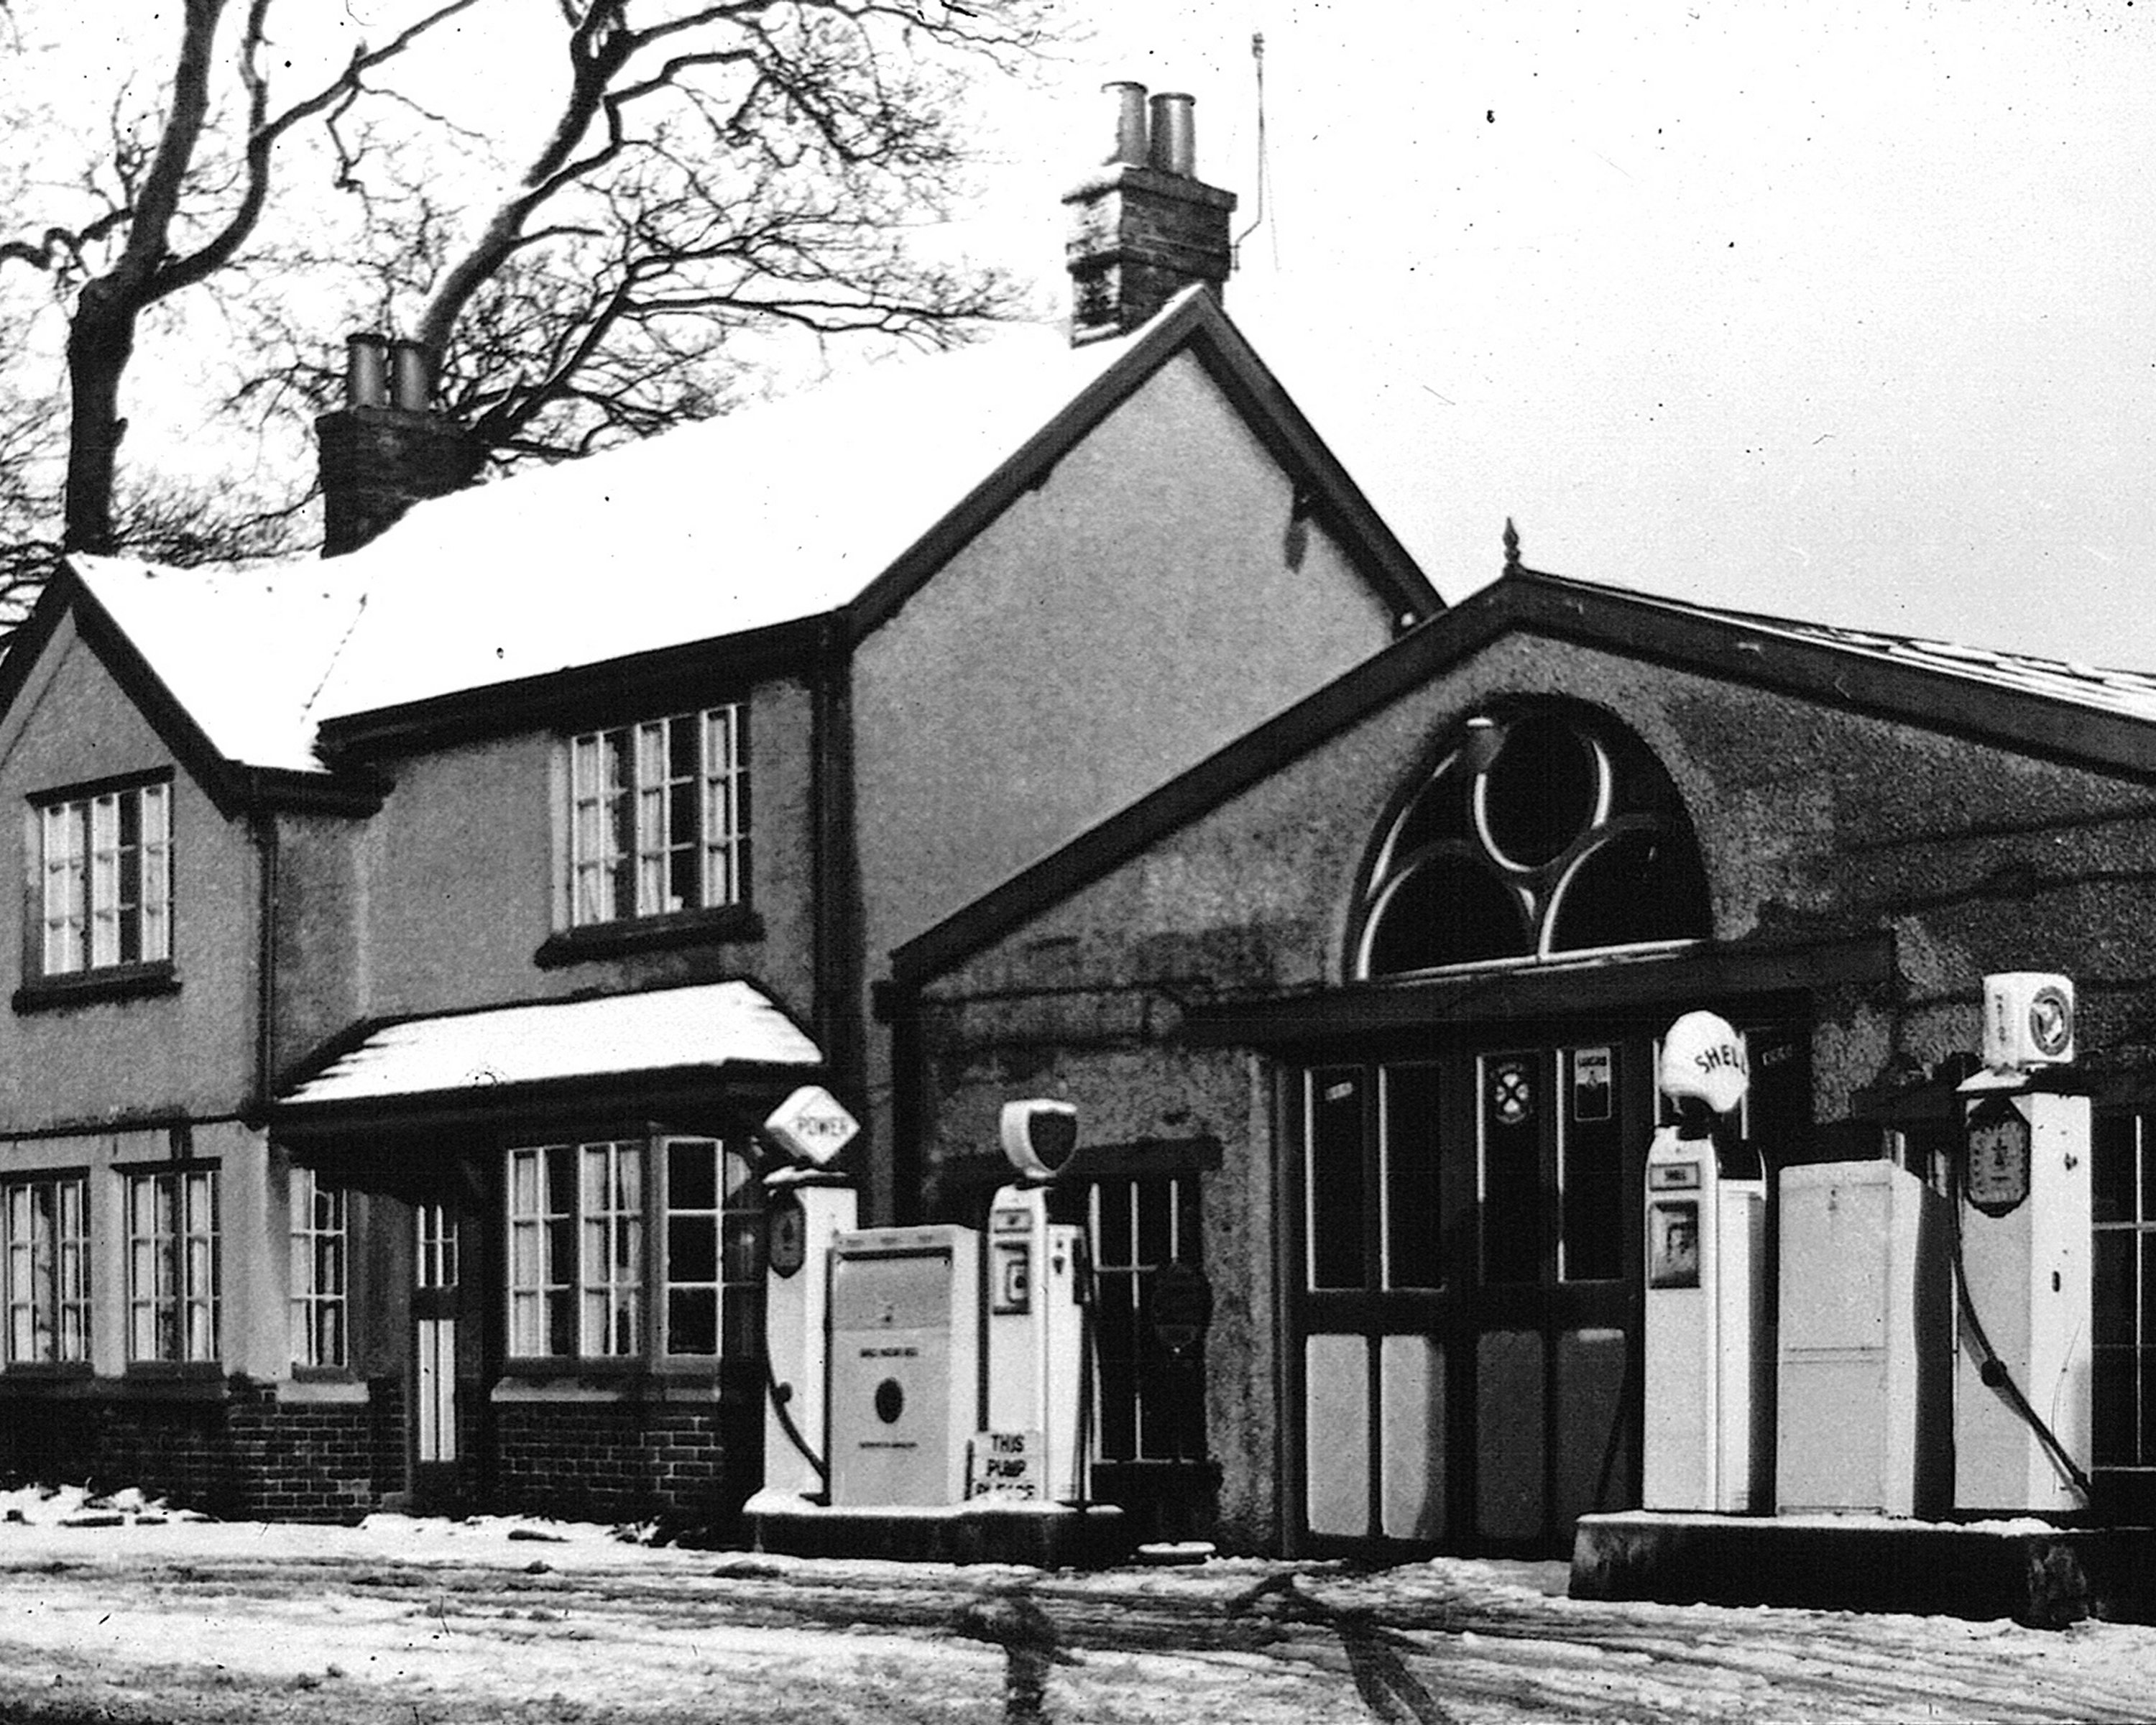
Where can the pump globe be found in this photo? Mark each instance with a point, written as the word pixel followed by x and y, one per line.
pixel 1703 1058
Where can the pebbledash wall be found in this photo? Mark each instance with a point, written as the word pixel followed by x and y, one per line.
pixel 1874 842
pixel 148 1075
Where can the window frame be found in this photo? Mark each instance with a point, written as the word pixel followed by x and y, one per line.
pixel 624 785
pixel 174 1250
pixel 58 1267
pixel 319 1236
pixel 622 1255
pixel 80 903
pixel 1122 1273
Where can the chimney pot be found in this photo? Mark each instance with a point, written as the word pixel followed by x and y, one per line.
pixel 1144 228
pixel 1132 136
pixel 411 375
pixel 367 371
pixel 1175 135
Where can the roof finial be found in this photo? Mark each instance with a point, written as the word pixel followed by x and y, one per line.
pixel 1512 547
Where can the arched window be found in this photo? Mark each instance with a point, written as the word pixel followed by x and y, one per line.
pixel 1545 832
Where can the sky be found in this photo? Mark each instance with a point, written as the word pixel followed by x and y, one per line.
pixel 1840 309
pixel 1834 308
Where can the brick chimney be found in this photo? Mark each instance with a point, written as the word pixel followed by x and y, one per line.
pixel 386 449
pixel 1144 227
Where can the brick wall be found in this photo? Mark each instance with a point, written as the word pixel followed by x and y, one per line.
pixel 231 1448
pixel 626 1461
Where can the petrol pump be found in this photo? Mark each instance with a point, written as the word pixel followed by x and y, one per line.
pixel 2021 1248
pixel 1039 1401
pixel 1704 1350
pixel 807 1205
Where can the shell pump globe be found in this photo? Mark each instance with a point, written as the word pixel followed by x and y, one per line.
pixel 1703 1060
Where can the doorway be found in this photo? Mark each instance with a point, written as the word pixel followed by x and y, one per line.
pixel 438 1356
pixel 1467 1314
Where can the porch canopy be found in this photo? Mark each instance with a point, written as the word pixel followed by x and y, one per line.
pixel 706 1041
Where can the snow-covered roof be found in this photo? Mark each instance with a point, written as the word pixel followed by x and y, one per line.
pixel 776 511
pixel 244 653
pixel 766 515
pixel 2130 694
pixel 706 1025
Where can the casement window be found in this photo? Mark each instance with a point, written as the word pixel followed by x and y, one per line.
pixel 103 879
pixel 2124 1320
pixel 634 1249
pixel 172 1273
pixel 318 1296
pixel 1152 1397
pixel 660 817
pixel 47 1270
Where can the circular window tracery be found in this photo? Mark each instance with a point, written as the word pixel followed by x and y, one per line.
pixel 1546 832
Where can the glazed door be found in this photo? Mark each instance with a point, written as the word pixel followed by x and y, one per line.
pixel 437 1327
pixel 1559 1138
pixel 1468 1309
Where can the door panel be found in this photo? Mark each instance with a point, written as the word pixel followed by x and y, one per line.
pixel 1411 1429
pixel 1510 1432
pixel 1336 1435
pixel 1593 1429
pixel 435 1406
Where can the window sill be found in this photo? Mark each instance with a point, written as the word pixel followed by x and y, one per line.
pixel 731 1382
pixel 312 1388
pixel 115 981
pixel 192 1380
pixel 647 934
pixel 25 1372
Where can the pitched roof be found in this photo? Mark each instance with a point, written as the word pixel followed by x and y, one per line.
pixel 704 1026
pixel 2097 718
pixel 242 652
pixel 841 498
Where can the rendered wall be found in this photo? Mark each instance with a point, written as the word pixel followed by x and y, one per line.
pixel 1813 823
pixel 463 876
pixel 1154 598
pixel 191 1051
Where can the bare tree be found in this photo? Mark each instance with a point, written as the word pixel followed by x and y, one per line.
pixel 183 204
pixel 710 172
pixel 700 170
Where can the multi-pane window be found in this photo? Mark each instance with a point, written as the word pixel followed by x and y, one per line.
pixel 1543 833
pixel 2123 1322
pixel 104 880
pixel 172 1293
pixel 660 817
pixel 580 1279
pixel 714 1267
pixel 435 1238
pixel 1151 1396
pixel 318 1295
pixel 47 1270
pixel 1370 1177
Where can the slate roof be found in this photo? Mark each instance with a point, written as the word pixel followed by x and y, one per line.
pixel 2128 692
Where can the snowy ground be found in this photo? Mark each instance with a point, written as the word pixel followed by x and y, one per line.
pixel 113 1610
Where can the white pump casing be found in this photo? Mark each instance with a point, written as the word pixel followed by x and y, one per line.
pixel 1706 1359
pixel 1033 1445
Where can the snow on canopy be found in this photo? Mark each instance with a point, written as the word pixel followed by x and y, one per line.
pixel 706 1025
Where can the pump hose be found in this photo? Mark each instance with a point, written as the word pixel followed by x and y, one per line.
pixel 1088 1297
pixel 780 1394
pixel 1995 1375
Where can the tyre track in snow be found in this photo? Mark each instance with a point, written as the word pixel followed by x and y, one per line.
pixel 1426 1651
